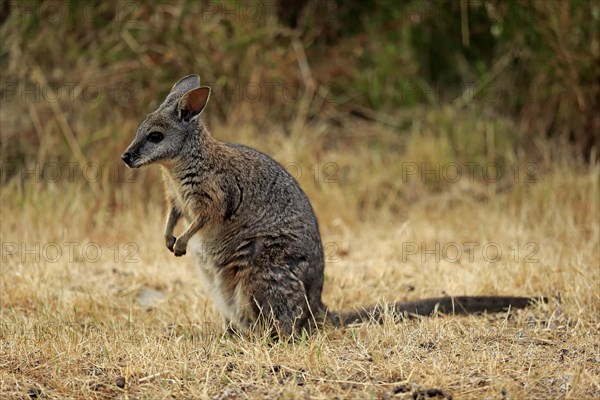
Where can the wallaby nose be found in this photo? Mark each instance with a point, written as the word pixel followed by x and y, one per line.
pixel 126 157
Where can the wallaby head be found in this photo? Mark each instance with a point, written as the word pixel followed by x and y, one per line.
pixel 161 135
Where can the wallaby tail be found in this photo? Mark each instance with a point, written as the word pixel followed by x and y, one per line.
pixel 444 305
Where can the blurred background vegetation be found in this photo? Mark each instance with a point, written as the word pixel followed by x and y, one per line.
pixel 381 81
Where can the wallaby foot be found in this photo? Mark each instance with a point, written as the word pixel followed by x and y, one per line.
pixel 281 301
pixel 170 242
pixel 180 247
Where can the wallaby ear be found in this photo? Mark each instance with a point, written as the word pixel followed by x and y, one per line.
pixel 192 103
pixel 186 83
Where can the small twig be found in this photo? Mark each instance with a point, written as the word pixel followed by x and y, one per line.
pixel 137 49
pixel 309 84
pixel 316 378
pixel 464 22
pixel 35 119
pixel 150 377
pixel 371 115
pixel 467 95
pixel 305 70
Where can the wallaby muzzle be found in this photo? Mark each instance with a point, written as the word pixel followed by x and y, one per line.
pixel 130 156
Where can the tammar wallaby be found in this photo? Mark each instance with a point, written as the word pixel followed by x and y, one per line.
pixel 251 225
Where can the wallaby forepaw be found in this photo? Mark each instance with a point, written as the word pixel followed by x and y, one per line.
pixel 179 248
pixel 170 241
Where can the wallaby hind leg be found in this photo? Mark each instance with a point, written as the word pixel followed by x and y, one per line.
pixel 280 300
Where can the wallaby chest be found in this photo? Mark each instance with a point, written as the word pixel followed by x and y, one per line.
pixel 179 196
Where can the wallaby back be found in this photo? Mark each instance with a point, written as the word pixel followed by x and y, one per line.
pixel 250 224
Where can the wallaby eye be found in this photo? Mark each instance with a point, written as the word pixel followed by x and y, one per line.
pixel 155 137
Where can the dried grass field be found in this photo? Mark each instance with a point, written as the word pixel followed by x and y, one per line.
pixel 94 306
pixel 447 147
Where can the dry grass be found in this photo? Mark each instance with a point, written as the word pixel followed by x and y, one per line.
pixel 87 325
pixel 76 328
